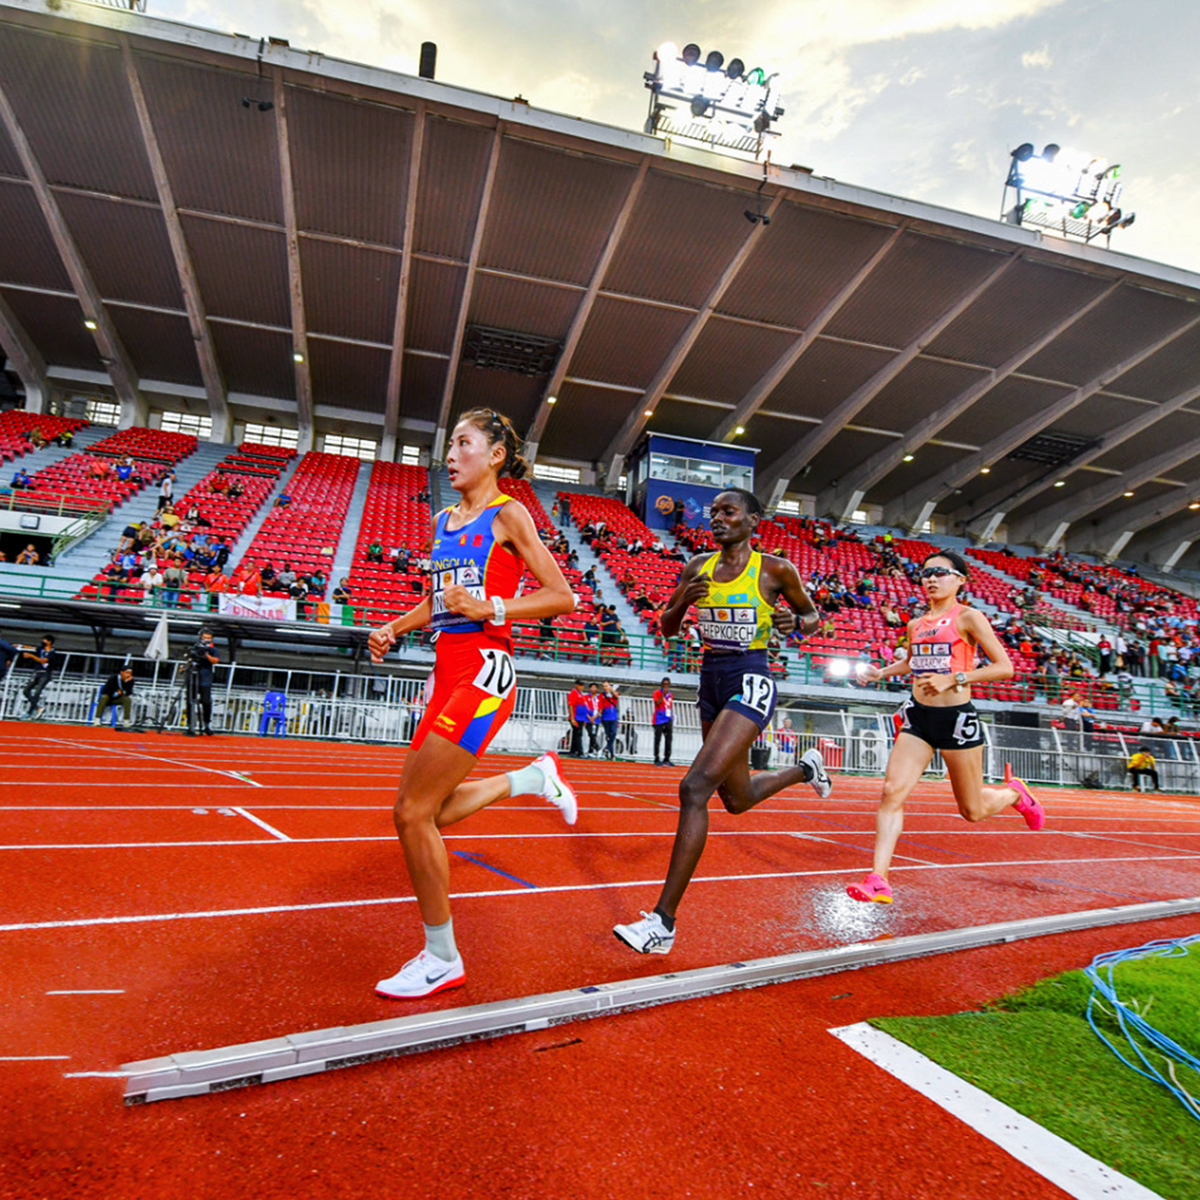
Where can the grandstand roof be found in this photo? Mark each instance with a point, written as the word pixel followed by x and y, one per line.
pixel 387 230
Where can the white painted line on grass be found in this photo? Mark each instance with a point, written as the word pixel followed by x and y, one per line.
pixel 241 812
pixel 1056 1160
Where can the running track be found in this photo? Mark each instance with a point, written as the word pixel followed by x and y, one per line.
pixel 164 894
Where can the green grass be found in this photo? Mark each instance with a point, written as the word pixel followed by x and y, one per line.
pixel 1035 1051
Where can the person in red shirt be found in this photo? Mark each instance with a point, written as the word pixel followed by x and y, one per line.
pixel 577 714
pixel 664 722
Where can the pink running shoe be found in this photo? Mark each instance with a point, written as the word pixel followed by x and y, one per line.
pixel 873 888
pixel 1026 805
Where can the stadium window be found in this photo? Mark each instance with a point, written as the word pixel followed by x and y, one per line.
pixel 351 447
pixel 927 527
pixel 556 474
pixel 858 517
pixel 789 508
pixel 623 482
pixel 100 412
pixel 178 422
pixel 410 456
pixel 272 435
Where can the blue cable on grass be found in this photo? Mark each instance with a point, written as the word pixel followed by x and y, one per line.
pixel 1132 1023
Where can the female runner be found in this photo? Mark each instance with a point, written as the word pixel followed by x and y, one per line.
pixel 939 715
pixel 481 547
pixel 735 591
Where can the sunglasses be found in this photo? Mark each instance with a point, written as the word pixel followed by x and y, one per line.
pixel 938 573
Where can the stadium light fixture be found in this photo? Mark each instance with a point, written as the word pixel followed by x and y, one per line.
pixel 1064 192
pixel 908 457
pixel 298 358
pixel 551 399
pixel 1195 505
pixel 985 470
pixel 740 430
pixel 647 412
pixel 705 99
pixel 1061 483
pixel 90 324
pixel 1127 495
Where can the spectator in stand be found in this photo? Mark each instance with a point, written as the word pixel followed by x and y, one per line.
pixel 174 581
pixel 218 484
pixel 246 580
pixel 43 661
pixel 129 536
pixel 375 552
pixel 29 557
pixel 577 714
pixel 341 593
pixel 642 602
pixel 168 518
pixel 399 559
pixel 99 468
pixel 21 479
pixel 555 511
pixel 317 583
pixel 38 438
pixel 285 578
pixel 610 714
pixel 546 637
pixel 118 689
pixel 151 580
pixel 1142 763
pixel 298 590
pixel 591 631
pixel 283 500
pixel 564 508
pixel 166 488
pixel 235 489
pixel 216 581
pixel 664 723
pixel 1104 646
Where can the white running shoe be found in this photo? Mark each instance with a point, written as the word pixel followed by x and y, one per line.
pixel 647 936
pixel 422 976
pixel 556 789
pixel 821 783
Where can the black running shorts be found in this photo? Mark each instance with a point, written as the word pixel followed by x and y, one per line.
pixel 956 727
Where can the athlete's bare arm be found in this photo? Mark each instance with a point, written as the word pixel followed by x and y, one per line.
pixel 870 673
pixel 784 581
pixel 515 530
pixel 691 588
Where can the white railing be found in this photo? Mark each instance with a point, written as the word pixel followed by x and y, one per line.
pixel 386 708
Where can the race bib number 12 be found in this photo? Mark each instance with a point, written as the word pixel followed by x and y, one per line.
pixel 758 693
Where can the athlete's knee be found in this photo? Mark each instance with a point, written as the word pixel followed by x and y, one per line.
pixel 408 812
pixel 694 791
pixel 894 794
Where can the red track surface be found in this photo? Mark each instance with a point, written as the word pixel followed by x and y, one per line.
pixel 123 874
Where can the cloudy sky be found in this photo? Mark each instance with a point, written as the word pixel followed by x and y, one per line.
pixel 920 98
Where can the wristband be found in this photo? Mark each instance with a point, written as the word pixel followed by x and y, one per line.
pixel 498 611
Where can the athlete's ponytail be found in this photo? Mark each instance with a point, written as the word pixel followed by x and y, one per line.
pixel 499 429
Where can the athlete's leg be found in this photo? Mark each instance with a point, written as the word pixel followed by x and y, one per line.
pixel 975 802
pixel 906 764
pixel 740 791
pixel 431 774
pixel 726 743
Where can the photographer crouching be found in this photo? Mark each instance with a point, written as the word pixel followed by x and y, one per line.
pixel 201 658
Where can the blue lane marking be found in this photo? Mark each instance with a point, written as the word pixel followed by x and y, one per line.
pixel 487 866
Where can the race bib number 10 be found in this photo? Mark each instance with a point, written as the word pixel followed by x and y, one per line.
pixel 497 676
pixel 758 693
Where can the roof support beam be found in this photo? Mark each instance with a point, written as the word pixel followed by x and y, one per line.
pixel 112 351
pixel 24 358
pixel 760 393
pixel 1074 508
pixel 1110 537
pixel 809 447
pixel 930 493
pixel 1048 528
pixel 210 371
pixel 571 344
pixel 304 395
pixel 391 407
pixel 1009 498
pixel 635 422
pixel 848 495
pixel 1167 551
pixel 460 325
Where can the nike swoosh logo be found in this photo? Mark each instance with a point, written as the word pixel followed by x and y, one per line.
pixel 435 978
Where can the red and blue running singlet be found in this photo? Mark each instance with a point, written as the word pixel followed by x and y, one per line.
pixel 472 558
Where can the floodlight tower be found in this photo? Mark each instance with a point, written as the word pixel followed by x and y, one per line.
pixel 1063 192
pixel 700 98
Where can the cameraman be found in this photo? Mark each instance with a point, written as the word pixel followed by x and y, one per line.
pixel 202 657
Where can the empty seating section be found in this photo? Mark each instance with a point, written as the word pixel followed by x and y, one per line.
pixel 395 515
pixel 228 515
pixel 305 532
pixel 252 458
pixel 16 424
pixel 147 445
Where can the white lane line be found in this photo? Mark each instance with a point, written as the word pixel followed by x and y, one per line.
pixel 90 992
pixel 95 1074
pixel 150 918
pixel 170 761
pixel 34 1057
pixel 1128 841
pixel 241 812
pixel 1064 1165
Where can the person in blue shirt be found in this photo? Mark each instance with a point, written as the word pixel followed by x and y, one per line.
pixel 43 661
pixel 610 714
pixel 21 479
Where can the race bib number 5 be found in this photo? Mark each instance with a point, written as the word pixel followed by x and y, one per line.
pixel 497 676
pixel 758 693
